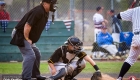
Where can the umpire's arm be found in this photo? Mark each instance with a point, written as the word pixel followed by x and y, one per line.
pixel 27 29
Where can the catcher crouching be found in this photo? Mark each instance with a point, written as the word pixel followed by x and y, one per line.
pixel 69 60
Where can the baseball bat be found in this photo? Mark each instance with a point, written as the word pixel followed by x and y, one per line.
pixel 132 5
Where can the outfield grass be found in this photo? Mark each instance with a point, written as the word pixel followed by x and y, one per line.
pixel 105 67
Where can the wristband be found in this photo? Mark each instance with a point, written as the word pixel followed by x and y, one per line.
pixel 27 38
pixel 96 68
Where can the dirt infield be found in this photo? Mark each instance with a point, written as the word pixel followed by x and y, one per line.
pixel 108 76
pixel 103 79
pixel 84 76
pixel 87 76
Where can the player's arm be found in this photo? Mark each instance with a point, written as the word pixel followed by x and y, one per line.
pixel 126 15
pixel 53 69
pixel 106 21
pixel 51 65
pixel 103 23
pixel 53 59
pixel 27 29
pixel 87 58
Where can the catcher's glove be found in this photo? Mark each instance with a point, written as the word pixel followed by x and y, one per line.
pixel 96 76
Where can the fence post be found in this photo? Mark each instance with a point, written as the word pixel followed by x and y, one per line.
pixel 28 5
pixel 83 16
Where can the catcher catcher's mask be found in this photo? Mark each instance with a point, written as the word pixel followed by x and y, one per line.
pixel 76 43
pixel 53 6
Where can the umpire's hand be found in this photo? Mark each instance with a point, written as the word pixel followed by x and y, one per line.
pixel 30 41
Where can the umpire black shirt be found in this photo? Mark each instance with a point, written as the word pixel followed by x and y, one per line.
pixel 37 19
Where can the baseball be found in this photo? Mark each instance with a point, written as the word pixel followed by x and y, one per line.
pixel 132 78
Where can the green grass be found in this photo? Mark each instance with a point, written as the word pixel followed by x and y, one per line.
pixel 105 67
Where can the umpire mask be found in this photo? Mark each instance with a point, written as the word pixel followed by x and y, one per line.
pixel 53 6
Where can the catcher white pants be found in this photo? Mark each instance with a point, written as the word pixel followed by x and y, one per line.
pixel 68 67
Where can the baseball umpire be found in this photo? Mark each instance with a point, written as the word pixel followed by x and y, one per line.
pixel 26 33
pixel 133 16
pixel 69 60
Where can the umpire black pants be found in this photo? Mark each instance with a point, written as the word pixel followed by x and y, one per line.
pixel 31 60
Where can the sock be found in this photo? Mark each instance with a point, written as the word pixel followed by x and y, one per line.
pixel 120 78
pixel 126 66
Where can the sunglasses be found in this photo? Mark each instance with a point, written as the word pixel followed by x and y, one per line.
pixel 2 4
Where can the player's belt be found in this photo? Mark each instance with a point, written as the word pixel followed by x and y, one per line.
pixel 15 29
pixel 98 27
pixel 136 33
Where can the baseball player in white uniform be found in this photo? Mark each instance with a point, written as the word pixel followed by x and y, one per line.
pixel 99 21
pixel 133 16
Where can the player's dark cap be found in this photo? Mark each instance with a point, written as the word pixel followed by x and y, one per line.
pixel 112 11
pixel 50 1
pixel 2 3
pixel 99 8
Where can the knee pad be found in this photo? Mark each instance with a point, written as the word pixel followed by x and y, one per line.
pixel 82 64
pixel 70 69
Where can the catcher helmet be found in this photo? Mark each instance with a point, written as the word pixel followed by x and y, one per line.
pixel 76 43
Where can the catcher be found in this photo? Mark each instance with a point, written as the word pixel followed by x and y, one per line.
pixel 69 60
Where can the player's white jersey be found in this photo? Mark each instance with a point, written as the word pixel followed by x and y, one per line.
pixel 98 19
pixel 132 15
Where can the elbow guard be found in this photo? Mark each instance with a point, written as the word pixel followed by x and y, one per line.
pixel 119 16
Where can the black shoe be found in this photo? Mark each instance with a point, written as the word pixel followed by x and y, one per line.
pixel 118 54
pixel 74 79
pixel 41 78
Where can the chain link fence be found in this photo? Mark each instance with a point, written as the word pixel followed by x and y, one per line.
pixel 81 11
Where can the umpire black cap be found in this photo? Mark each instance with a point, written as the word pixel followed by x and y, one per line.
pixel 50 1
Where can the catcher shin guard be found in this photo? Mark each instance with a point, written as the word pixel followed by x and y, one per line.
pixel 59 75
pixel 69 77
pixel 74 73
pixel 80 66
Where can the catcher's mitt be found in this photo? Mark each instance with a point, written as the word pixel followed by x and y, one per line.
pixel 96 76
